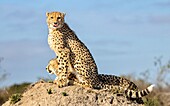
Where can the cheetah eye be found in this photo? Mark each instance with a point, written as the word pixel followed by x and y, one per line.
pixel 58 18
pixel 51 17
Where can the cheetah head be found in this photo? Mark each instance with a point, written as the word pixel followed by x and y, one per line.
pixel 52 66
pixel 55 20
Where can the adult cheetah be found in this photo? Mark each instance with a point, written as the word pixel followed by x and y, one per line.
pixel 73 54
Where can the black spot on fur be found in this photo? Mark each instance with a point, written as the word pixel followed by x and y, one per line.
pixel 137 95
pixel 130 93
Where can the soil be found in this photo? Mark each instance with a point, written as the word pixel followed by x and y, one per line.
pixel 48 94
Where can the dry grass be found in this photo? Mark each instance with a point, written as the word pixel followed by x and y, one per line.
pixel 161 82
pixel 6 93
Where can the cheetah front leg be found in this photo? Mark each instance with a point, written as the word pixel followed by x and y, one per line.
pixel 63 60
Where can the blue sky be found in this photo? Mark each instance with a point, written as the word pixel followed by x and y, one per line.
pixel 124 36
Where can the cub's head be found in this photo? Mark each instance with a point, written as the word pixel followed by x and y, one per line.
pixel 52 66
pixel 55 20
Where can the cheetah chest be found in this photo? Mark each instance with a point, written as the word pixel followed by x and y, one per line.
pixel 54 41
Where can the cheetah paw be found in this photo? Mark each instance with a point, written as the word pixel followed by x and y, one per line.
pixel 61 82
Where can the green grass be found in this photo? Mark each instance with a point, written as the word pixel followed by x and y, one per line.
pixel 64 94
pixel 50 81
pixel 151 102
pixel 15 98
pixel 49 91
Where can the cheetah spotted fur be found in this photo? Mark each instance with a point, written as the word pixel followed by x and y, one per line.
pixel 74 60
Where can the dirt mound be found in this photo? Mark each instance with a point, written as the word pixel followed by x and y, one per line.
pixel 47 94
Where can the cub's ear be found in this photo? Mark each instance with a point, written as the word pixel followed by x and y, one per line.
pixel 47 14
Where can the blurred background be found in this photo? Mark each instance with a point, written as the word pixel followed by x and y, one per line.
pixel 124 36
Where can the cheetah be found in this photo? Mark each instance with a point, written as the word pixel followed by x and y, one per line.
pixel 73 54
pixel 112 82
pixel 70 50
pixel 52 68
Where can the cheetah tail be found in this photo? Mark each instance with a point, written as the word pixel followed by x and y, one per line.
pixel 139 94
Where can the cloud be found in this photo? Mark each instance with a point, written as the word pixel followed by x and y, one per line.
pixel 17 13
pixel 159 19
pixel 12 49
pixel 110 42
pixel 20 22
pixel 25 60
pixel 162 4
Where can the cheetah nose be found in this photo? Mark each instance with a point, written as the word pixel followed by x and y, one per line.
pixel 49 71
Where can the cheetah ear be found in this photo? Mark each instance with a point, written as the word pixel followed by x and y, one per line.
pixel 47 14
pixel 63 14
